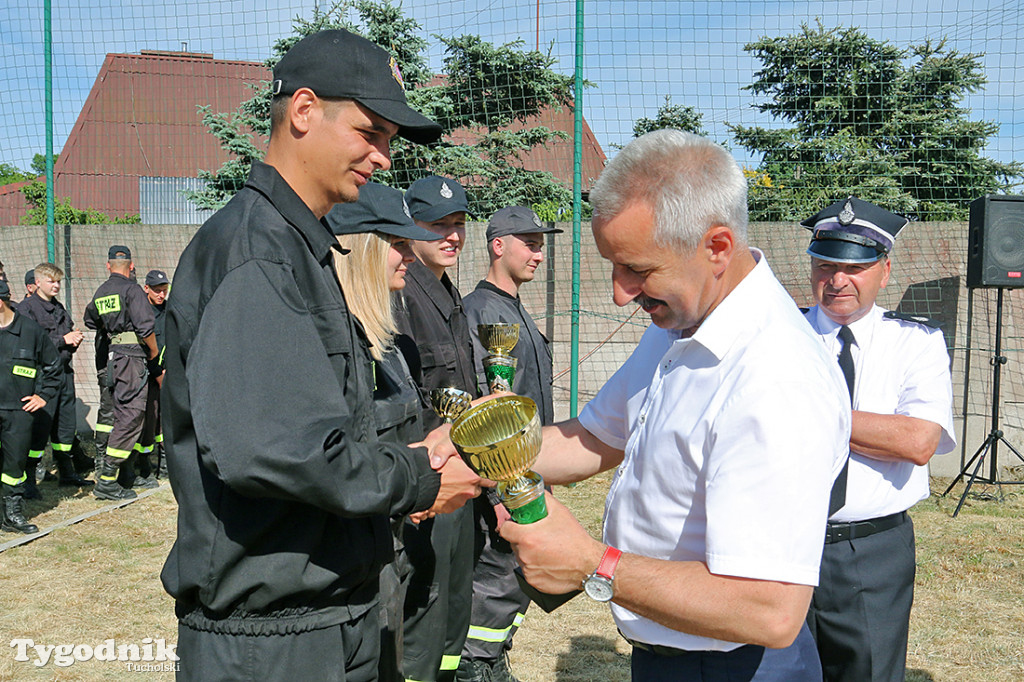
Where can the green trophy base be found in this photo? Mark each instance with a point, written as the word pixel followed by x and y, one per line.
pixel 534 510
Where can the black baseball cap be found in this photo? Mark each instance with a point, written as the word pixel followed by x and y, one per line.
pixel 156 278
pixel 118 252
pixel 434 197
pixel 853 231
pixel 5 290
pixel 379 209
pixel 337 63
pixel 516 220
pixel 30 277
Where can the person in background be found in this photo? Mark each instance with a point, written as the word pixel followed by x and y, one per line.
pixel 515 249
pixel 897 376
pixel 156 287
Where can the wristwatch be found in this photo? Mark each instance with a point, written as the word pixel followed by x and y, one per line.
pixel 599 584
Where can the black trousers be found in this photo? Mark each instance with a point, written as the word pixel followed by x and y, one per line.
pixel 438 594
pixel 498 604
pixel 15 437
pixel 341 653
pixel 105 411
pixel 860 612
pixel 56 421
pixel 796 663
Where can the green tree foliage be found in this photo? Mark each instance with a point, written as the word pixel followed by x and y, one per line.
pixel 670 115
pixel 10 173
pixel 39 163
pixel 870 119
pixel 488 93
pixel 63 212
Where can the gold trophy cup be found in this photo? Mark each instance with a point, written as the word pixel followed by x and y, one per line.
pixel 449 402
pixel 500 440
pixel 499 367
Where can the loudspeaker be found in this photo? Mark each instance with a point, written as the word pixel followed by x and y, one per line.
pixel 995 246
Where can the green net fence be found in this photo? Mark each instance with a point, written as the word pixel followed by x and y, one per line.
pixel 159 107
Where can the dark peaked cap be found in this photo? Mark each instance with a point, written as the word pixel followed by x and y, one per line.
pixel 853 231
pixel 337 63
pixel 380 209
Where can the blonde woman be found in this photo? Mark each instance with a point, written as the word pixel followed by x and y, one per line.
pixel 374 268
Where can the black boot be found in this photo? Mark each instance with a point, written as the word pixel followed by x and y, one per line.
pixel 67 473
pixel 31 490
pixel 83 462
pixel 107 487
pixel 161 461
pixel 14 520
pixel 144 478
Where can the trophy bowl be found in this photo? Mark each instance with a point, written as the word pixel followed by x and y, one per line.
pixel 499 338
pixel 449 402
pixel 500 440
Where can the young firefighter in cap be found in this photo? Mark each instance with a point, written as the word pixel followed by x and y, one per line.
pixel 515 247
pixel 120 311
pixel 30 376
pixel 156 288
pixel 57 421
pixel 440 549
pixel 373 268
pixel 897 372
pixel 30 282
pixel 284 490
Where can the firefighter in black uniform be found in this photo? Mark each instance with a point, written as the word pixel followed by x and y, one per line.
pixel 30 376
pixel 57 421
pixel 284 491
pixel 156 288
pixel 440 549
pixel 120 310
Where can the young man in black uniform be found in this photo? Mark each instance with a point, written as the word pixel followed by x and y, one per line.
pixel 440 549
pixel 156 288
pixel 515 247
pixel 57 421
pixel 30 376
pixel 120 310
pixel 284 492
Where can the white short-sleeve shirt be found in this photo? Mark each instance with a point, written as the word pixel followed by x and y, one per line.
pixel 732 439
pixel 901 367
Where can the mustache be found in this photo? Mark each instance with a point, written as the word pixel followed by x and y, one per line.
pixel 648 302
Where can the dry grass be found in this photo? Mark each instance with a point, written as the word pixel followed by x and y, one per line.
pixel 99 579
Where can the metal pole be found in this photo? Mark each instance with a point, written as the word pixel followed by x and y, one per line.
pixel 48 68
pixel 577 192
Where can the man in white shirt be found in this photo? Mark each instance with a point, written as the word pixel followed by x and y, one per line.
pixel 728 425
pixel 900 386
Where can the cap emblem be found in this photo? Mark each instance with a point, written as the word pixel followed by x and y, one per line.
pixel 536 220
pixel 446 191
pixel 395 73
pixel 405 207
pixel 846 216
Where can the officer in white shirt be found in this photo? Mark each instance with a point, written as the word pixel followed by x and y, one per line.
pixel 899 381
pixel 728 425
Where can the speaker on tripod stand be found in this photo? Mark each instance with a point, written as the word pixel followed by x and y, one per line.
pixel 995 260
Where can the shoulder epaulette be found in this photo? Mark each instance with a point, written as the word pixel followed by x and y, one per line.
pixel 920 319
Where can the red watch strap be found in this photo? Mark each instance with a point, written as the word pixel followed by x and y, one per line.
pixel 609 561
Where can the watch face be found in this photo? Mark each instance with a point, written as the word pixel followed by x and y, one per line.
pixel 598 588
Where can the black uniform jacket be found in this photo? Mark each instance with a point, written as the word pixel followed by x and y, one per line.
pixel 431 313
pixel 120 305
pixel 283 489
pixel 29 364
pixel 55 321
pixel 487 304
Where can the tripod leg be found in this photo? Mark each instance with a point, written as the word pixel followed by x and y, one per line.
pixel 974 474
pixel 977 453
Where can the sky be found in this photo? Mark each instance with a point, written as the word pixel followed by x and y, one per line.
pixel 635 53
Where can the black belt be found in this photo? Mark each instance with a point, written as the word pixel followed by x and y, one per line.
pixel 658 649
pixel 835 532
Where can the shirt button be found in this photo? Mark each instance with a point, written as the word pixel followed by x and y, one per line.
pixel 643 418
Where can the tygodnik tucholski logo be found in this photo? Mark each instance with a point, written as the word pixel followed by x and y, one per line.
pixel 149 655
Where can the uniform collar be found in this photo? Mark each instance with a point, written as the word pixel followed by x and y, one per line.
pixel 488 286
pixel 441 292
pixel 861 328
pixel 267 181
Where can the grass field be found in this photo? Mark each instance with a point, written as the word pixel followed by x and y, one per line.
pixel 99 579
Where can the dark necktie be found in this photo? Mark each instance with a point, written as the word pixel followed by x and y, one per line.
pixel 838 496
pixel 846 357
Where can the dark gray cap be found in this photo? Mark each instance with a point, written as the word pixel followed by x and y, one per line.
pixel 380 209
pixel 5 290
pixel 30 277
pixel 853 231
pixel 118 252
pixel 434 197
pixel 337 63
pixel 156 278
pixel 516 220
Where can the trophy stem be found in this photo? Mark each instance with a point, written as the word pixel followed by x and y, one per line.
pixel 524 497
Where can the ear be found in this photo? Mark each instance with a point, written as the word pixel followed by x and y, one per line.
pixel 885 274
pixel 304 104
pixel 498 246
pixel 719 243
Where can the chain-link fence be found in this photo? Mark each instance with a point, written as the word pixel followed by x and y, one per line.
pixel 916 106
